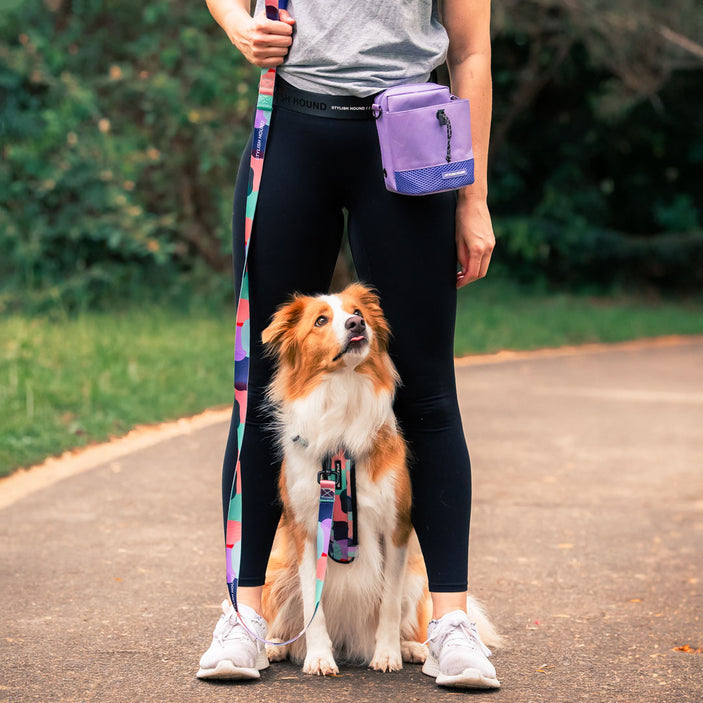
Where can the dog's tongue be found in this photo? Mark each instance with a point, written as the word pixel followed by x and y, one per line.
pixel 357 339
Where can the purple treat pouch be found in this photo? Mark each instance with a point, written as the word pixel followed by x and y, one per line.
pixel 425 137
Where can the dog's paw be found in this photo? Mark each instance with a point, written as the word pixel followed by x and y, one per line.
pixel 321 664
pixel 413 652
pixel 277 652
pixel 387 659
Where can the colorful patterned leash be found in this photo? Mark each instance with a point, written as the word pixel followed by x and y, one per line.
pixel 344 543
pixel 242 347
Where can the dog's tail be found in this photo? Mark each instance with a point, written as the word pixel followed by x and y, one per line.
pixel 477 613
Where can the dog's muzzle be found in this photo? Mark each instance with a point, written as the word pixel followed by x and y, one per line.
pixel 356 335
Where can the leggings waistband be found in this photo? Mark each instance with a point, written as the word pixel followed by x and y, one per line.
pixel 341 107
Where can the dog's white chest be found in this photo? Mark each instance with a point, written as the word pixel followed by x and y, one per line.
pixel 344 410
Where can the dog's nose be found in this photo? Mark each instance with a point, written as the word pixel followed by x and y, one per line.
pixel 355 324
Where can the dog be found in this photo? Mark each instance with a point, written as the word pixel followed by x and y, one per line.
pixel 333 388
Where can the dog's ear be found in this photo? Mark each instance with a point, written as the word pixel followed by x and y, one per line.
pixel 283 323
pixel 371 304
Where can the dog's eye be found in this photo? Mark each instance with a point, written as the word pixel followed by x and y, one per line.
pixel 358 312
pixel 321 321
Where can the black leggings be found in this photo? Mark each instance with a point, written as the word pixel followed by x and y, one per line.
pixel 402 246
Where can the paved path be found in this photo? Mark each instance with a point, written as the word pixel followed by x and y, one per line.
pixel 587 547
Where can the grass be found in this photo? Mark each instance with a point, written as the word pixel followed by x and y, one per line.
pixel 494 315
pixel 69 381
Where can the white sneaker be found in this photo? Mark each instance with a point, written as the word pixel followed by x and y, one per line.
pixel 234 653
pixel 457 657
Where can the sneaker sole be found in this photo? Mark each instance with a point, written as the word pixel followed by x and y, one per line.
pixel 225 669
pixel 469 678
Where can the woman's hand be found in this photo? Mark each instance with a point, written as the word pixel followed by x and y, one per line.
pixel 262 41
pixel 474 238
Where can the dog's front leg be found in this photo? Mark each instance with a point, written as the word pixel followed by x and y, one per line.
pixel 319 658
pixel 387 655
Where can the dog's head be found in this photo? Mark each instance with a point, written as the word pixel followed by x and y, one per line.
pixel 328 332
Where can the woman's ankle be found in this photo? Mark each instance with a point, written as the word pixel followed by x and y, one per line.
pixel 443 603
pixel 251 596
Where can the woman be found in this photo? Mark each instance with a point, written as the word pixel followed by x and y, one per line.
pixel 406 247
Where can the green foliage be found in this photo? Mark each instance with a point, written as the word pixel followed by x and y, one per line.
pixel 578 255
pixel 597 145
pixel 678 215
pixel 121 128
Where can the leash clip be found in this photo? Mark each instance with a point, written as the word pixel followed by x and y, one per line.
pixel 330 474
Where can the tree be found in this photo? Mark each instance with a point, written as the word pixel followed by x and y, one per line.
pixel 122 126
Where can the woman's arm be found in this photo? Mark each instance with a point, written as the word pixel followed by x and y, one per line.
pixel 262 42
pixel 469 61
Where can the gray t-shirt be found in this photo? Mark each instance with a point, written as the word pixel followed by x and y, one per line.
pixel 360 47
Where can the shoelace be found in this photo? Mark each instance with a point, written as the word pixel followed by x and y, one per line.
pixel 458 634
pixel 231 629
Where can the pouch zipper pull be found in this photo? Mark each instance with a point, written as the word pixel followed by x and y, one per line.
pixel 444 121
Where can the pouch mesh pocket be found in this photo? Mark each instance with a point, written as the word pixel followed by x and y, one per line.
pixel 435 178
